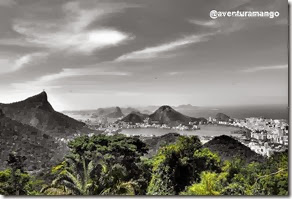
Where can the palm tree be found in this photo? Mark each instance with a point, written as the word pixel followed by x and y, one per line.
pixel 80 176
pixel 121 188
pixel 111 181
pixel 75 177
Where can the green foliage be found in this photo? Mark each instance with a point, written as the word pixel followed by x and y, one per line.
pixel 6 187
pixel 178 165
pixel 116 165
pixel 74 174
pixel 26 185
pixel 15 181
pixel 274 177
pixel 206 160
pixel 269 178
pixel 105 165
pixel 207 186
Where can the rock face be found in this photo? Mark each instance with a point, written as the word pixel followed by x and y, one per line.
pixel 169 116
pixel 222 117
pixel 116 114
pixel 38 112
pixel 135 117
pixel 227 148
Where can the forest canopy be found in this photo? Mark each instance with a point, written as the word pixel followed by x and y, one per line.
pixel 117 165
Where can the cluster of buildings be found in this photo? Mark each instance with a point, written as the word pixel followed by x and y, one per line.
pixel 264 136
pixel 114 127
pixel 154 124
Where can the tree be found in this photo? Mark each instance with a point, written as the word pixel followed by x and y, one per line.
pixel 178 165
pixel 207 186
pixel 15 181
pixel 16 164
pixel 268 178
pixel 274 177
pixel 102 165
pixel 74 175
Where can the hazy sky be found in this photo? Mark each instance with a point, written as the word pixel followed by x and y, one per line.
pixel 97 53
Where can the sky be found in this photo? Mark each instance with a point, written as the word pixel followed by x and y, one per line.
pixel 96 53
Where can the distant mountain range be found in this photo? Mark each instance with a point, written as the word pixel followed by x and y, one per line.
pixel 240 112
pixel 111 112
pixel 227 148
pixel 32 128
pixel 163 115
pixel 37 112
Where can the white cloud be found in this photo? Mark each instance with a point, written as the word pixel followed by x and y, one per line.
pixel 9 65
pixel 152 52
pixel 208 23
pixel 174 73
pixel 29 58
pixel 71 34
pixel 68 72
pixel 263 68
pixel 46 80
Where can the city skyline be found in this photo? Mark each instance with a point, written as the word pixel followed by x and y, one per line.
pixel 89 54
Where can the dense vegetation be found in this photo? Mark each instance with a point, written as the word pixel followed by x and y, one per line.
pixel 118 165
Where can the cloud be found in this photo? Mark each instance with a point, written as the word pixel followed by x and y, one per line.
pixel 29 58
pixel 208 23
pixel 71 33
pixel 46 80
pixel 263 68
pixel 7 2
pixel 152 52
pixel 174 73
pixel 68 72
pixel 220 25
pixel 8 65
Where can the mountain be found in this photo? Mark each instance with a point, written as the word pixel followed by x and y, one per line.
pixel 134 117
pixel 227 148
pixel 40 149
pixel 222 117
pixel 112 112
pixel 117 113
pixel 154 143
pixel 186 106
pixel 36 111
pixel 1 114
pixel 167 115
